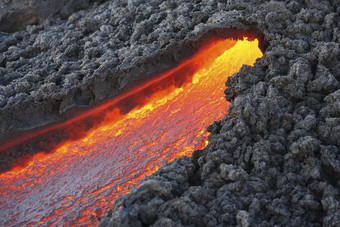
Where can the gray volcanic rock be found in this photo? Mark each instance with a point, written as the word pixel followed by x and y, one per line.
pixel 274 160
pixel 15 15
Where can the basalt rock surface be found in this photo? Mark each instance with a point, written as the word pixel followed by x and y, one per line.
pixel 274 160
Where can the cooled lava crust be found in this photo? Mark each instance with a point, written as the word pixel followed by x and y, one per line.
pixel 274 160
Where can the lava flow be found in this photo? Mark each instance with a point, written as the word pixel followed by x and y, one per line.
pixel 81 179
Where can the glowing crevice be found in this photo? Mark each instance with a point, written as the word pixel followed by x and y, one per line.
pixel 83 178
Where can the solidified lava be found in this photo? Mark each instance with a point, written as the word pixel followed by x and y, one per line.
pixel 273 161
pixel 166 119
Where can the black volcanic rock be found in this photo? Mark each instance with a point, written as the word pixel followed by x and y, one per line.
pixel 274 160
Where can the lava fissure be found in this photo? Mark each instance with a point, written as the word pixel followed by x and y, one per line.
pixel 18 151
pixel 166 119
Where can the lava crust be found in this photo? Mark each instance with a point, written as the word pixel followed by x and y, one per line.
pixel 274 160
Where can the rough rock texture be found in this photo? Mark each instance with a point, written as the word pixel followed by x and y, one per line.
pixel 15 15
pixel 274 160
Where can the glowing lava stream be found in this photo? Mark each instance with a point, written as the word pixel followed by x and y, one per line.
pixel 82 178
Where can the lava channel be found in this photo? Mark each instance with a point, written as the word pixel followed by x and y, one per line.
pixel 81 179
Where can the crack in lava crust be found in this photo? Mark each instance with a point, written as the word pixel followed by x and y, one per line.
pixel 82 178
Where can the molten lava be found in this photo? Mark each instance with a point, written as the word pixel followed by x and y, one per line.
pixel 167 118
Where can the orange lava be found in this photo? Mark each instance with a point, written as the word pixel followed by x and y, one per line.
pixel 166 118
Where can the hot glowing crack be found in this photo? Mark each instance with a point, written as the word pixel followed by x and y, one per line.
pixel 81 179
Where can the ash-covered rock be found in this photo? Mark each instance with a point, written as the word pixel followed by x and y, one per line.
pixel 274 160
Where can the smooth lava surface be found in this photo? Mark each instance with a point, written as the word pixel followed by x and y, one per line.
pixel 81 179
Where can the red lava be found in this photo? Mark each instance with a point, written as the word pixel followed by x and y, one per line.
pixel 81 179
